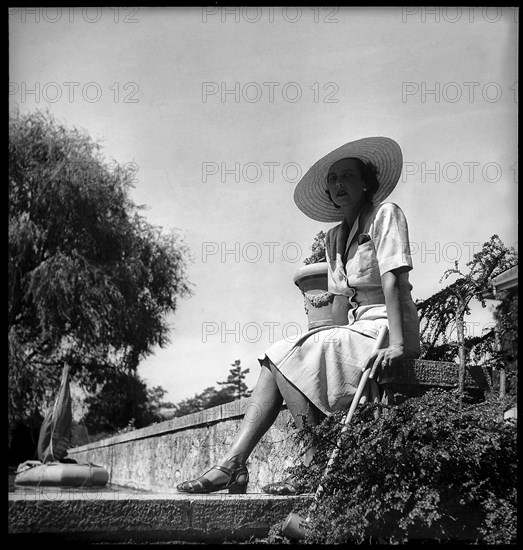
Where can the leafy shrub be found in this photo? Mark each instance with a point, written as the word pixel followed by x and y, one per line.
pixel 431 469
pixel 318 250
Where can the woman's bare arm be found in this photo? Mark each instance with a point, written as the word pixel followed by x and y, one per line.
pixel 391 289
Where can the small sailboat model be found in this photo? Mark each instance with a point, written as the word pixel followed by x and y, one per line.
pixel 53 467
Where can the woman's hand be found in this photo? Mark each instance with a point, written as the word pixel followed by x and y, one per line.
pixel 391 355
pixel 388 357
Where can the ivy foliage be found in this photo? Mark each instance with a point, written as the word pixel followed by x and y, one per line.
pixel 433 469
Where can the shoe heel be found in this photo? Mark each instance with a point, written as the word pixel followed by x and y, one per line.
pixel 238 489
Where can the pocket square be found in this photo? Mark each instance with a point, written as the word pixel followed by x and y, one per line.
pixel 363 238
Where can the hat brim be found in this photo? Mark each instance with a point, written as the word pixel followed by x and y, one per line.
pixel 382 152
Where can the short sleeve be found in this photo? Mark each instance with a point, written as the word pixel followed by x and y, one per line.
pixel 390 235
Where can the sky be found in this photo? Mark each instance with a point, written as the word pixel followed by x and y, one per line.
pixel 219 111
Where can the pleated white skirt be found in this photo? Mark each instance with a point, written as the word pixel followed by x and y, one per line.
pixel 326 363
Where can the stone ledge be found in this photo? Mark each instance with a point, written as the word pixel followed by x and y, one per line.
pixel 231 410
pixel 119 515
pixel 122 516
pixel 421 372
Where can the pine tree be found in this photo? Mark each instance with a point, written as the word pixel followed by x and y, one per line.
pixel 235 382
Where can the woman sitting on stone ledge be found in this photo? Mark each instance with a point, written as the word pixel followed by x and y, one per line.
pixel 368 257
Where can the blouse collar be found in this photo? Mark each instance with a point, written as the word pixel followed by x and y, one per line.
pixel 340 234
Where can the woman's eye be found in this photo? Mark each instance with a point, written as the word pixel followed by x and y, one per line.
pixel 331 180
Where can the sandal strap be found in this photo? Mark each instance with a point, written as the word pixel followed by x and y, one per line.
pixel 282 485
pixel 223 469
pixel 230 471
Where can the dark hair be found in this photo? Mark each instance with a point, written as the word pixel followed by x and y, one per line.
pixel 369 173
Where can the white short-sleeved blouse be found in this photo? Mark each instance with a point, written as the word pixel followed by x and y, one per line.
pixel 326 363
pixel 359 276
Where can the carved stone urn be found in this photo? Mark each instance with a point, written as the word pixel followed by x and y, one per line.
pixel 311 279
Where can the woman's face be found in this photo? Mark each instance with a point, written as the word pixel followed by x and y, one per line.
pixel 345 182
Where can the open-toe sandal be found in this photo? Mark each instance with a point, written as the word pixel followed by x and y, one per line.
pixel 236 484
pixel 289 486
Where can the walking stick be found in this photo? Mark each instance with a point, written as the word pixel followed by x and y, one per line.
pixel 294 526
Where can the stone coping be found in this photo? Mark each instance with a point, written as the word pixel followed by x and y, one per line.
pixel 228 411
pixel 115 493
pixel 442 374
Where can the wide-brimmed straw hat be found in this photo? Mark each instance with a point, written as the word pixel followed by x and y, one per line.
pixel 382 152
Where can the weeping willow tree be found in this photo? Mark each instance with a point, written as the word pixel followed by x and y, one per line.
pixel 90 281
pixel 444 312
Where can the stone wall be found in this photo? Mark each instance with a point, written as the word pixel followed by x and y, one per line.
pixel 158 457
